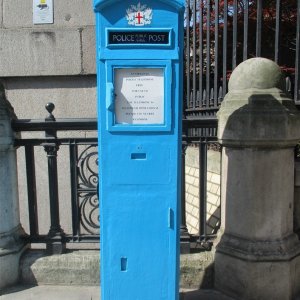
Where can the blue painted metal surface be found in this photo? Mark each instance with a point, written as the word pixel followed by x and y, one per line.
pixel 139 158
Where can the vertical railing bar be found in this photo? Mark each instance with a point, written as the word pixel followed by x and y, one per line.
pixel 225 48
pixel 277 30
pixel 258 28
pixel 56 243
pixel 194 55
pixel 297 66
pixel 246 24
pixel 216 71
pixel 207 52
pixel 202 187
pixel 220 96
pixel 74 184
pixel 234 34
pixel 188 83
pixel 201 52
pixel 31 190
pixel 211 98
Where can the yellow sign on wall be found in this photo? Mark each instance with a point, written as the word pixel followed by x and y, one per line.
pixel 43 12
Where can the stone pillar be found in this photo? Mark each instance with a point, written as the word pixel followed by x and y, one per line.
pixel 11 246
pixel 258 253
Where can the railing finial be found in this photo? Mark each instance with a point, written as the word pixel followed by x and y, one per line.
pixel 50 108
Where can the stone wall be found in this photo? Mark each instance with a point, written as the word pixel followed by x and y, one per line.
pixel 48 63
pixel 63 48
pixel 54 62
pixel 192 190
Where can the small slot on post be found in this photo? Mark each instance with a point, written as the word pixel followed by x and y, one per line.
pixel 171 219
pixel 138 156
pixel 123 264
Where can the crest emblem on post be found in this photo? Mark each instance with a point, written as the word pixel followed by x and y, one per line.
pixel 139 15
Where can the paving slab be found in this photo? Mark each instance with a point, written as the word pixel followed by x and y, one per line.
pixel 22 292
pixel 51 293
pixel 202 295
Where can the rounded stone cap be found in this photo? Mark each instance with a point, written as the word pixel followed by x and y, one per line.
pixel 256 73
pixel 256 112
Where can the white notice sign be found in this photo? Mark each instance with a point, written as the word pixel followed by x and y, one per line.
pixel 42 11
pixel 139 96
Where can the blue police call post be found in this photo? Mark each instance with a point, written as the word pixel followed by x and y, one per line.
pixel 139 68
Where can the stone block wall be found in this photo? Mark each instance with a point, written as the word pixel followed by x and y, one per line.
pixel 48 63
pixel 63 48
pixel 192 190
pixel 52 62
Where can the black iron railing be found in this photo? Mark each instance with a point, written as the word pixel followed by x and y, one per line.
pixel 202 134
pixel 83 164
pixel 222 34
pixel 83 160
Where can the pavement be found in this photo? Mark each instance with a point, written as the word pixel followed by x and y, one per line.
pixel 50 292
pixel 22 292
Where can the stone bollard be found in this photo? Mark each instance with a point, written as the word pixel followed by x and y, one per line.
pixel 258 254
pixel 11 246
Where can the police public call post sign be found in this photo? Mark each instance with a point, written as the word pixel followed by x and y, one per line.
pixel 140 37
pixel 139 71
